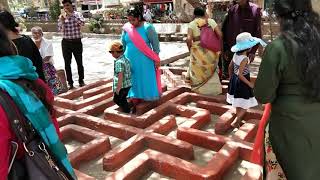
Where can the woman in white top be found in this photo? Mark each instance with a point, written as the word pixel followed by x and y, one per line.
pixel 46 52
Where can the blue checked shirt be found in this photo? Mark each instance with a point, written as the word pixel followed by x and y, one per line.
pixel 122 64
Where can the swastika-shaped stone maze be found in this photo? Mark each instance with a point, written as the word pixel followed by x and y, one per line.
pixel 183 136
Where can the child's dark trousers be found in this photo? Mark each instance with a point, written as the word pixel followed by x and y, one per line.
pixel 121 99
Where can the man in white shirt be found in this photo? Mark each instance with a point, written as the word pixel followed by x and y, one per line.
pixel 46 51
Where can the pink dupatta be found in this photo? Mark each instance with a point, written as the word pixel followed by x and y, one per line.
pixel 139 42
pixel 258 147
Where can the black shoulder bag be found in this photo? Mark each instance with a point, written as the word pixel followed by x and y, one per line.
pixel 37 163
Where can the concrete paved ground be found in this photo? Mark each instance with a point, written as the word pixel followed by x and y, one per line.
pixel 98 63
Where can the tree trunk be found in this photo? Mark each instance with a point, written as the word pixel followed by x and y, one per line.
pixel 194 3
pixel 4 5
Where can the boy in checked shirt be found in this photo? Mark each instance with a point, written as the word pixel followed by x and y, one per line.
pixel 122 76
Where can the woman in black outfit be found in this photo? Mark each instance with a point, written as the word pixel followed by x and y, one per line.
pixel 22 43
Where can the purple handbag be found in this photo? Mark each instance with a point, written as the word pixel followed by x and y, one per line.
pixel 209 39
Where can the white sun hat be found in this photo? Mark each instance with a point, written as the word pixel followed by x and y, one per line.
pixel 246 41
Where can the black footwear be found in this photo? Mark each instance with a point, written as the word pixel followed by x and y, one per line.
pixel 81 84
pixel 131 107
pixel 71 87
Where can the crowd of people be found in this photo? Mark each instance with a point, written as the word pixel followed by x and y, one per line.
pixel 288 79
pixel 29 130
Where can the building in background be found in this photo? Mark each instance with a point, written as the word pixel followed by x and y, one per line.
pixel 128 2
pixel 159 8
pixel 110 3
pixel 90 4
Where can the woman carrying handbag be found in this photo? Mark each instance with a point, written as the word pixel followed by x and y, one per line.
pixel 204 54
pixel 29 133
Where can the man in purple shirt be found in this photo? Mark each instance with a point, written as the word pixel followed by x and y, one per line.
pixel 69 24
pixel 242 17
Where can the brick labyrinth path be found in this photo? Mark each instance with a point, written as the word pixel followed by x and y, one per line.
pixel 182 136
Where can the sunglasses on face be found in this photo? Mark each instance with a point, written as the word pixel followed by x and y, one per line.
pixel 115 51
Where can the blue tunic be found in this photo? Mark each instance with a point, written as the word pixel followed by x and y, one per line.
pixel 144 84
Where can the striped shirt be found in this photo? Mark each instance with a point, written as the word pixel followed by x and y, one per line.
pixel 237 59
pixel 71 27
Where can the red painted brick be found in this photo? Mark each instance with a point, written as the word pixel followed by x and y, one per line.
pixel 164 127
pixel 97 90
pixel 134 169
pixel 214 108
pixel 96 143
pixel 170 146
pixel 97 108
pixel 78 92
pixel 166 96
pixel 247 131
pixel 123 153
pixel 224 122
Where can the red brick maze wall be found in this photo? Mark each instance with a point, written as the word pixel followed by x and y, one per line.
pixel 182 136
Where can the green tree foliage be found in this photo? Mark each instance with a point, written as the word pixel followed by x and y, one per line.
pixel 95 23
pixel 55 9
pixel 32 11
